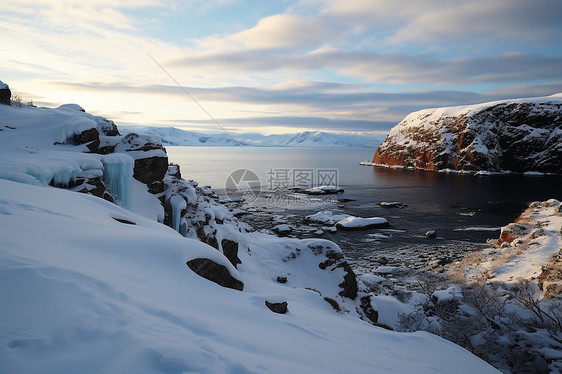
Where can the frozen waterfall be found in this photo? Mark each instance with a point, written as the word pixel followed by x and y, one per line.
pixel 177 203
pixel 118 175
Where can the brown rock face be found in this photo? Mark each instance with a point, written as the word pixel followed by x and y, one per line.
pixel 516 136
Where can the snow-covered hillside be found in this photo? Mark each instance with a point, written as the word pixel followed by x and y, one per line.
pixel 523 135
pixel 91 287
pixel 175 136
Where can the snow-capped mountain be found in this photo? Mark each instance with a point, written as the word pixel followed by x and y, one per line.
pixel 179 137
pixel 522 135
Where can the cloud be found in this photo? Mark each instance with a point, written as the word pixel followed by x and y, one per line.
pixel 288 122
pixel 339 103
pixel 431 21
pixel 377 67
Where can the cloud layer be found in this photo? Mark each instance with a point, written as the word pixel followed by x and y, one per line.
pixel 316 64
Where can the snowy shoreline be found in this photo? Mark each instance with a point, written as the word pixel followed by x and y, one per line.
pixel 463 172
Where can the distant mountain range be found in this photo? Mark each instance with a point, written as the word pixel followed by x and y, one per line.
pixel 174 136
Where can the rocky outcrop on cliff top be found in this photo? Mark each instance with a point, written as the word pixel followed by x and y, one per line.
pixel 513 135
pixel 5 93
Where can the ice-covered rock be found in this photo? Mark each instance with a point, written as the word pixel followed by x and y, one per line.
pixel 151 161
pixel 360 223
pixel 281 229
pixel 322 190
pixel 517 135
pixel 326 217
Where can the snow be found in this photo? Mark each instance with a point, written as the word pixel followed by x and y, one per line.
pixel 74 107
pixel 360 222
pixel 534 252
pixel 281 228
pixel 118 176
pixel 326 217
pixel 3 86
pixel 91 287
pixel 320 190
pixel 103 296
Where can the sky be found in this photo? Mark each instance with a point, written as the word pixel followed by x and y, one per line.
pixel 349 66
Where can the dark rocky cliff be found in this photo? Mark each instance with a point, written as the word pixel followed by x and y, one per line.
pixel 518 135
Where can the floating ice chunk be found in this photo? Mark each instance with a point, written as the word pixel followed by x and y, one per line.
pixel 326 217
pixel 118 175
pixel 323 190
pixel 357 223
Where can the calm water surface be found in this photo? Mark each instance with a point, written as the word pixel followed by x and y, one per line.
pixel 464 210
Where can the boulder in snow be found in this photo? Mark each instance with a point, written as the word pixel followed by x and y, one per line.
pixel 230 250
pixel 280 308
pixel 214 272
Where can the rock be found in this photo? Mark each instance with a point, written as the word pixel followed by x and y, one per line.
pixel 511 232
pixel 431 234
pixel 282 279
pixel 321 190
pixel 281 230
pixel 393 204
pixel 520 136
pixel 5 94
pixel 230 250
pixel 280 308
pixel 151 161
pixel 383 260
pixel 91 138
pixel 151 169
pixel 214 272
pixel 107 127
pixel 371 314
pixel 349 283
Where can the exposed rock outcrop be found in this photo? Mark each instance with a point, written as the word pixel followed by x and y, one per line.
pixel 516 135
pixel 214 272
pixel 280 308
pixel 5 94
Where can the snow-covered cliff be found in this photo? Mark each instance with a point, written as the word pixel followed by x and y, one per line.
pixel 520 135
pixel 91 286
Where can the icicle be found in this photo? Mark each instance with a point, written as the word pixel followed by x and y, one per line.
pixel 177 203
pixel 118 175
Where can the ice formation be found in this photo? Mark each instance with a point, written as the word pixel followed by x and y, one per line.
pixel 118 175
pixel 178 204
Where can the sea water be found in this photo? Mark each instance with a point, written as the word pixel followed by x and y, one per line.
pixel 464 210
